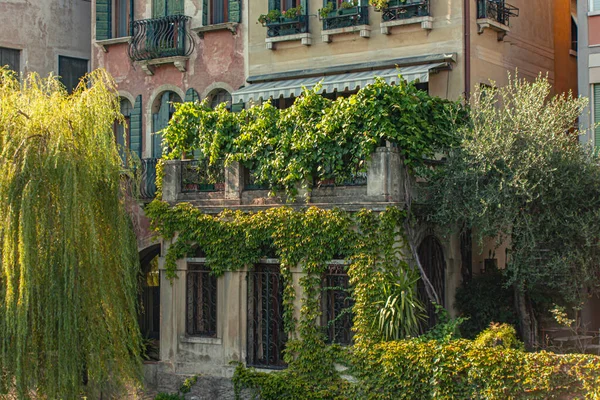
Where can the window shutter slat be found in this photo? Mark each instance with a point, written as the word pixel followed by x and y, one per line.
pixel 204 12
pixel 596 114
pixel 103 19
pixel 135 144
pixel 235 10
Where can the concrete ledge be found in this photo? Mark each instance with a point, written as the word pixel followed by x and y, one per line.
pixel 147 65
pixel 501 29
pixel 426 23
pixel 108 42
pixel 200 340
pixel 305 39
pixel 365 32
pixel 229 26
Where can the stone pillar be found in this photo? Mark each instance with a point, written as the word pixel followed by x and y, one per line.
pixel 234 181
pixel 385 175
pixel 171 180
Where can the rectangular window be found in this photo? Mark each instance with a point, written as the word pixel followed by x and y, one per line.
pixel 218 11
pixel 201 318
pixel 71 70
pixel 10 58
pixel 122 17
pixel 594 5
pixel 266 333
pixel 337 303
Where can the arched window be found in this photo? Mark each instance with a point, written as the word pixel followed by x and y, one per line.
pixel 163 109
pixel 122 131
pixel 219 96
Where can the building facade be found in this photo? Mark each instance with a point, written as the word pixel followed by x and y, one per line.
pixel 46 37
pixel 242 53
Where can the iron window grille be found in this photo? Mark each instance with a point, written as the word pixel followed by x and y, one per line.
pixel 342 17
pixel 431 255
pixel 404 9
pixel 497 10
pixel 266 333
pixel 201 318
pixel 198 176
pixel 337 303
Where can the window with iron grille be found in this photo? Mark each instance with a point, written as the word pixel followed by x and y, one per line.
pixel 337 303
pixel 10 58
pixel 266 333
pixel 431 255
pixel 201 319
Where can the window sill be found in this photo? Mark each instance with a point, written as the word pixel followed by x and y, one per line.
pixel 200 340
pixel 501 29
pixel 148 65
pixel 229 26
pixel 573 53
pixel 593 13
pixel 304 38
pixel 108 42
pixel 426 23
pixel 365 32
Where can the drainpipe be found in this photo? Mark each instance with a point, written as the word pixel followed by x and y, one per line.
pixel 467 46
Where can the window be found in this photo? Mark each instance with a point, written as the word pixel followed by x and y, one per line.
pixel 163 8
pixel 113 18
pixel 123 131
pixel 266 333
pixel 220 96
pixel 220 11
pixel 337 303
pixel 162 110
pixel 574 34
pixel 431 255
pixel 71 70
pixel 121 18
pixel 594 5
pixel 201 318
pixel 10 58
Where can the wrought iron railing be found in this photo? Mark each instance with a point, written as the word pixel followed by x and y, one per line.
pixel 287 26
pixel 161 37
pixel 199 176
pixel 266 334
pixel 398 10
pixel 201 303
pixel 496 10
pixel 148 181
pixel 345 17
pixel 337 305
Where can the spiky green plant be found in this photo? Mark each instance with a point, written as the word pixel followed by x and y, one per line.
pixel 68 255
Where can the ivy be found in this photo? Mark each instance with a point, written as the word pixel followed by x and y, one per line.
pixel 316 137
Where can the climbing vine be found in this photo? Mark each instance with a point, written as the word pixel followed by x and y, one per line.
pixel 316 137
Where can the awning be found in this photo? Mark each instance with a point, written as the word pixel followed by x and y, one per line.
pixel 338 82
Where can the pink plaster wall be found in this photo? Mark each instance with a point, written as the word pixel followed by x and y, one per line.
pixel 594 30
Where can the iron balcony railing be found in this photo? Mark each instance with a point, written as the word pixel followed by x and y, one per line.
pixel 496 10
pixel 198 176
pixel 345 17
pixel 161 37
pixel 398 10
pixel 287 26
pixel 148 181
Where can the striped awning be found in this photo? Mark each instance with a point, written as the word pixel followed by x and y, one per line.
pixel 339 82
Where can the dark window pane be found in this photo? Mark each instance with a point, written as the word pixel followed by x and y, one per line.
pixel 337 305
pixel 219 11
pixel 71 70
pixel 201 316
pixel 10 58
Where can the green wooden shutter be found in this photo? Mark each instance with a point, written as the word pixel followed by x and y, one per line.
pixel 274 5
pixel 237 107
pixel 158 8
pixel 175 7
pixel 596 115
pixel 235 10
pixel 204 12
pixel 191 95
pixel 103 19
pixel 304 7
pixel 135 130
pixel 161 120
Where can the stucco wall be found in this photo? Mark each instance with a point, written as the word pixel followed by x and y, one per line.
pixel 216 62
pixel 45 29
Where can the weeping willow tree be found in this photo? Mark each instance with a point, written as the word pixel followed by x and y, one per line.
pixel 69 263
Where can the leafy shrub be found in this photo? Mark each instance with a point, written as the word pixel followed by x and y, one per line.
pixel 483 300
pixel 168 396
pixel 499 335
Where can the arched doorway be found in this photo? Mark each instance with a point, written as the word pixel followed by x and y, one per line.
pixel 431 255
pixel 149 316
pixel 162 111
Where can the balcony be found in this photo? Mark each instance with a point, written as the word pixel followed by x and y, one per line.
pixel 288 29
pixel 198 176
pixel 161 41
pixel 346 20
pixel 495 14
pixel 406 12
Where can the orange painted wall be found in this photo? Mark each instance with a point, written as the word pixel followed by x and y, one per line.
pixel 565 64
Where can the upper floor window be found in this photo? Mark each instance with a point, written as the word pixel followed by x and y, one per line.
pixel 10 58
pixel 71 70
pixel 113 19
pixel 594 5
pixel 163 8
pixel 220 11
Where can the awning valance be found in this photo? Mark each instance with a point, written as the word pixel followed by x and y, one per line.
pixel 338 82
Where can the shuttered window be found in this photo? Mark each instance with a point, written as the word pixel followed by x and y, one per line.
pixel 113 18
pixel 136 128
pixel 594 5
pixel 10 58
pixel 596 114
pixel 71 70
pixel 221 11
pixel 162 8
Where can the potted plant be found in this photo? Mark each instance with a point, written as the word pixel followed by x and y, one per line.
pixel 325 11
pixel 271 16
pixel 380 4
pixel 293 13
pixel 348 7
